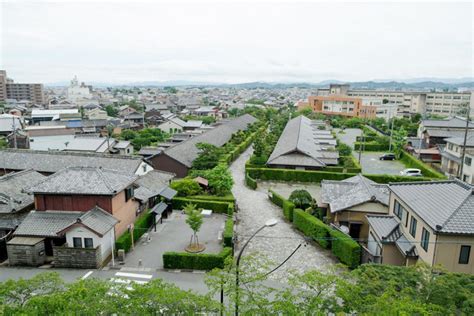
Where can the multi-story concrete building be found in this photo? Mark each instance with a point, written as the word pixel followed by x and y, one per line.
pixel 20 91
pixel 407 102
pixel 341 105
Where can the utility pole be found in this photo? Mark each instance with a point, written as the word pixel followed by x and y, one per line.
pixel 463 149
pixel 392 119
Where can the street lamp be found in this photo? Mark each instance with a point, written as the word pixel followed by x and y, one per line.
pixel 269 223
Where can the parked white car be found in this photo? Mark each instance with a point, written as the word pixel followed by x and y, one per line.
pixel 411 172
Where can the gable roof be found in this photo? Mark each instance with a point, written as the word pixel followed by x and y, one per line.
pixel 341 195
pixel 54 223
pixel 446 206
pixel 152 184
pixel 12 196
pixel 186 151
pixel 302 144
pixel 53 161
pixel 84 180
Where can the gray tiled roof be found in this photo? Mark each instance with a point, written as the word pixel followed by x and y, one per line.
pixel 406 247
pixel 453 122
pixel 84 180
pixel 12 196
pixel 186 151
pixel 384 226
pixel 446 206
pixel 302 144
pixel 52 223
pixel 341 195
pixel 444 133
pixel 50 162
pixel 460 140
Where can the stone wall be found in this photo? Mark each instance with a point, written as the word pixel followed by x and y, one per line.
pixel 83 258
pixel 26 255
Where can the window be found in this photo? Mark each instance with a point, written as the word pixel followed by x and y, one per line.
pixel 128 193
pixel 464 254
pixel 425 239
pixel 77 242
pixel 468 161
pixel 398 210
pixel 88 243
pixel 413 223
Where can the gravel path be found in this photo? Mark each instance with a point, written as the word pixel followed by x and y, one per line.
pixel 275 242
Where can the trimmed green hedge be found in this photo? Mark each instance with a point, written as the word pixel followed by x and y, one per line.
pixel 287 206
pixel 141 226
pixel 387 178
pixel 411 162
pixel 229 233
pixel 314 176
pixel 295 175
pixel 371 146
pixel 196 261
pixel 312 227
pixel 227 198
pixel 345 248
pixel 216 206
pixel 250 182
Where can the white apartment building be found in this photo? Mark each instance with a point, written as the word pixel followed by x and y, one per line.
pixel 407 102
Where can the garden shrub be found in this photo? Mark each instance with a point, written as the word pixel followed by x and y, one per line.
pixel 345 248
pixel 196 261
pixel 312 227
pixel 225 198
pixel 301 198
pixel 371 146
pixel 186 187
pixel 412 162
pixel 276 198
pixel 288 208
pixel 387 178
pixel 216 206
pixel 228 235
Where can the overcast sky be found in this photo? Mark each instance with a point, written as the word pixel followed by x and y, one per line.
pixel 234 42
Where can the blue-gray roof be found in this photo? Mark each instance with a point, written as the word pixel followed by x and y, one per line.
pixel 446 206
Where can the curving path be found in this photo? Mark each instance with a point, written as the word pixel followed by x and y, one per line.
pixel 275 242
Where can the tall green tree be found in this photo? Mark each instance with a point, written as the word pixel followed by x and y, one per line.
pixel 194 219
pixel 208 157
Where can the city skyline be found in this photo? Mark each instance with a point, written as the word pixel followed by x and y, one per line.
pixel 118 42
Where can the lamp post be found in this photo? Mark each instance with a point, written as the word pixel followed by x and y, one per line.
pixel 269 223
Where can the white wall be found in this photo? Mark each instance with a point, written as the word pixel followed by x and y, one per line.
pixel 105 242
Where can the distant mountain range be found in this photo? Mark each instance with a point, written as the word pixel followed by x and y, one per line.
pixel 421 83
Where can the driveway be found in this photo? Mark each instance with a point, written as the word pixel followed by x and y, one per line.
pixel 277 242
pixel 348 136
pixel 371 164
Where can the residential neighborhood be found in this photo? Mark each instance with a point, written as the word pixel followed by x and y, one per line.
pixel 263 158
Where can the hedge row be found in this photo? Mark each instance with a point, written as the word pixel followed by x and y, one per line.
pixel 411 162
pixel 345 248
pixel 195 261
pixel 141 226
pixel 312 227
pixel 250 182
pixel 227 198
pixel 234 153
pixel 371 146
pixel 287 206
pixel 315 176
pixel 229 233
pixel 216 206
pixel 295 175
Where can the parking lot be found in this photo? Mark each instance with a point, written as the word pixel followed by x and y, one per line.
pixel 371 164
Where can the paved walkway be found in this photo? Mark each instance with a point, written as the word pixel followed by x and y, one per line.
pixel 277 242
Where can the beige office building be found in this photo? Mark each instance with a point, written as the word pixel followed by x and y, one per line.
pixel 20 91
pixel 407 102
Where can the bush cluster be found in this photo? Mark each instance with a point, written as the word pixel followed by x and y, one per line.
pixel 196 261
pixel 286 205
pixel 216 206
pixel 345 248
pixel 141 226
